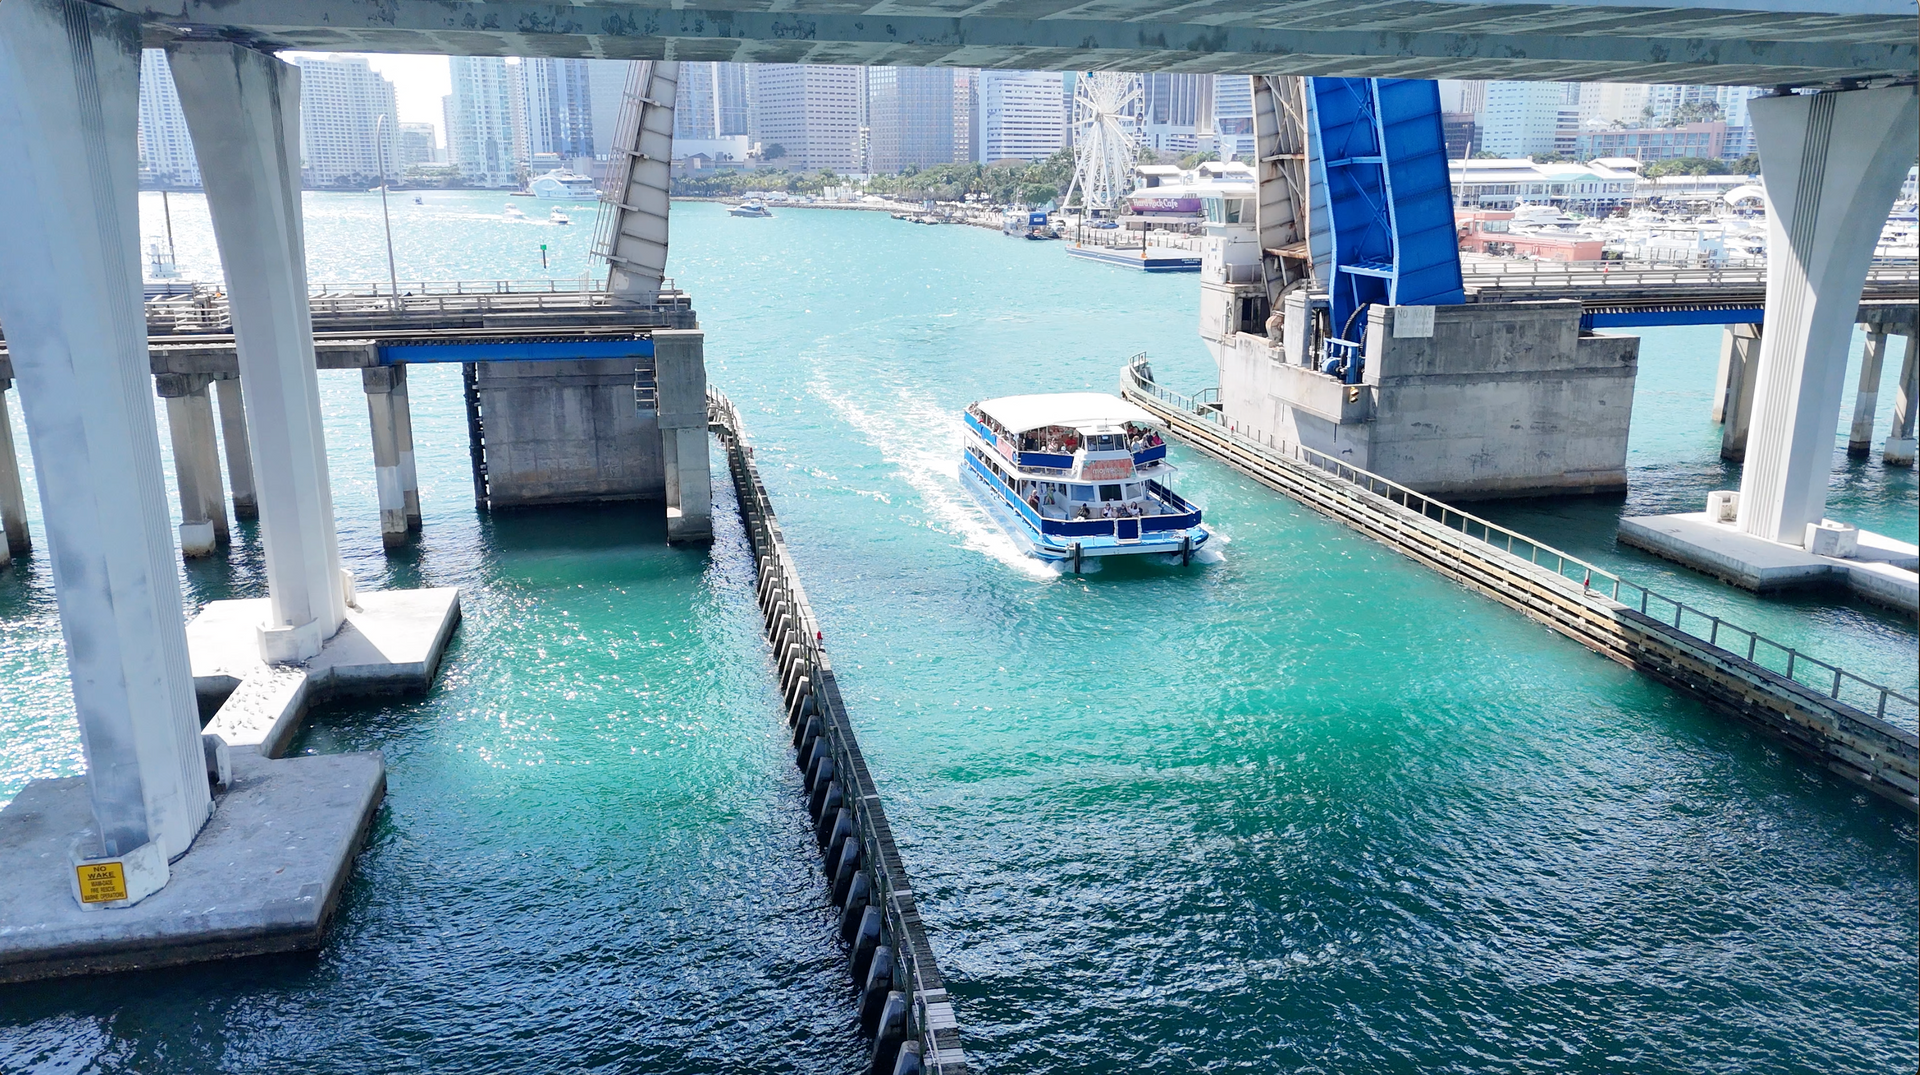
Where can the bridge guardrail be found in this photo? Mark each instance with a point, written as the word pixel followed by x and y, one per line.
pixel 205 309
pixel 1902 711
pixel 1533 274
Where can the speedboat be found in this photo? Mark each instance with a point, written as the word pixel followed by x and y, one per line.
pixel 555 216
pixel 1077 474
pixel 752 207
pixel 512 212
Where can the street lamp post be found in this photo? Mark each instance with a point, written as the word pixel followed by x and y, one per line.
pixel 380 150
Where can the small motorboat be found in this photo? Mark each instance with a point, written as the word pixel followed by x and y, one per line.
pixel 512 212
pixel 555 216
pixel 752 207
pixel 417 200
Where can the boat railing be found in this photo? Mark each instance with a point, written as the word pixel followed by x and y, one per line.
pixel 1889 705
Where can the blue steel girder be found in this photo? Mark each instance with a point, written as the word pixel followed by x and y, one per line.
pixel 1389 199
pixel 513 350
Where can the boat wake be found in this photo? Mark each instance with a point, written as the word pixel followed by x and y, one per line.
pixel 923 440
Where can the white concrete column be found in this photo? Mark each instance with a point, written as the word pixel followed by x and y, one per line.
pixel 243 110
pixel 379 384
pixel 71 301
pixel 1866 395
pixel 196 466
pixel 233 430
pixel 1721 383
pixel 1899 449
pixel 680 369
pixel 403 446
pixel 13 502
pixel 1832 163
pixel 1740 355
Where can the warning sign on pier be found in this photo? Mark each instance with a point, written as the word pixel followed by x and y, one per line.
pixel 102 882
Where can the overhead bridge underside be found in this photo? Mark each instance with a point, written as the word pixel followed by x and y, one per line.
pixel 1728 42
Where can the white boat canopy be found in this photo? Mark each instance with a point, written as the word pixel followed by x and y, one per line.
pixel 1073 410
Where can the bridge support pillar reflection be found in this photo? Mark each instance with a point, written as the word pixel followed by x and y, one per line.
pixel 1833 163
pixel 1739 366
pixel 1900 443
pixel 70 298
pixel 13 502
pixel 243 110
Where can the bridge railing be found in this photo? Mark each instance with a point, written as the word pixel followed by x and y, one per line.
pixel 205 308
pixel 1894 707
pixel 1503 275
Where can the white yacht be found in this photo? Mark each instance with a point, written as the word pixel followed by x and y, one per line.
pixel 752 207
pixel 563 185
pixel 1077 474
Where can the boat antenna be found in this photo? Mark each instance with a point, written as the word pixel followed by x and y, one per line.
pixel 380 150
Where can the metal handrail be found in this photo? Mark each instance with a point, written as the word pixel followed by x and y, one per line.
pixel 207 309
pixel 1884 703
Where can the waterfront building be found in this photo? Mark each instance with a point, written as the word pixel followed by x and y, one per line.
pixel 1461 133
pixel 559 107
pixel 910 111
pixel 1646 144
pixel 812 112
pixel 166 151
pixel 1502 184
pixel 966 115
pixel 419 144
pixel 1521 118
pixel 1173 108
pixel 1233 116
pixel 694 108
pixel 343 142
pixel 1020 115
pixel 480 120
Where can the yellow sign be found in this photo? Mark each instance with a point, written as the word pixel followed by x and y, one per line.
pixel 102 882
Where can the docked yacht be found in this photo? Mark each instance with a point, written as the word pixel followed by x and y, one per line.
pixel 564 185
pixel 1077 474
pixel 752 207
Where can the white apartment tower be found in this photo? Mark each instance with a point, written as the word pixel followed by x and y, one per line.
pixel 343 139
pixel 812 112
pixel 479 115
pixel 1233 116
pixel 1020 115
pixel 1521 118
pixel 166 151
pixel 559 107
pixel 911 112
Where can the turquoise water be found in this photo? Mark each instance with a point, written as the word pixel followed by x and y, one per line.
pixel 1306 808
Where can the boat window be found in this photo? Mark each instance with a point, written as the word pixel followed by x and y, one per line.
pixel 1133 490
pixel 1110 492
pixel 1083 492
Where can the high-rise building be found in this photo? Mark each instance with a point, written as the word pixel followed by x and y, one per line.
pixel 606 91
pixel 419 144
pixel 733 113
pixel 166 150
pixel 966 114
pixel 559 107
pixel 812 112
pixel 1233 116
pixel 1172 108
pixel 1020 115
pixel 695 107
pixel 479 114
pixel 343 141
pixel 910 111
pixel 1521 118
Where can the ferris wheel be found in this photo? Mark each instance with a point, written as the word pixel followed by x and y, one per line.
pixel 1106 137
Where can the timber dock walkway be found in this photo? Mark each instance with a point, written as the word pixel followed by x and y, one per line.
pixel 902 998
pixel 1857 729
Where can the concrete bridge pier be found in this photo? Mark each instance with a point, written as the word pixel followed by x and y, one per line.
pixel 242 109
pixel 680 366
pixel 1833 162
pixel 196 463
pixel 13 502
pixel 233 430
pixel 403 446
pixel 386 404
pixel 1866 395
pixel 70 298
pixel 1733 405
pixel 1900 444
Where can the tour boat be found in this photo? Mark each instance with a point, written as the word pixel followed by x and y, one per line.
pixel 1077 474
pixel 753 208
pixel 565 185
pixel 555 216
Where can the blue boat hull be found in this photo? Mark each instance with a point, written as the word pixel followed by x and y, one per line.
pixel 1060 549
